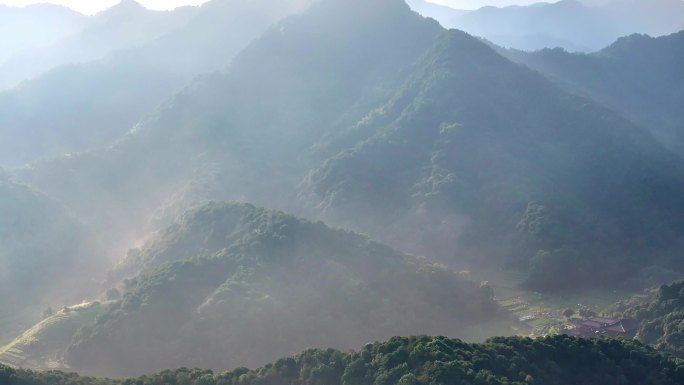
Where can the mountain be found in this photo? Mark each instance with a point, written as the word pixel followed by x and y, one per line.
pixel 232 285
pixel 79 107
pixel 558 360
pixel 447 16
pixel 571 24
pixel 567 23
pixel 122 26
pixel 41 245
pixel 637 76
pixel 656 18
pixel 478 158
pixel 426 139
pixel 35 26
pixel 41 346
pixel 244 134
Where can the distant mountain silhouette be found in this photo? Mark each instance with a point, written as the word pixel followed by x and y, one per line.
pixel 125 25
pixel 79 107
pixel 571 24
pixel 35 26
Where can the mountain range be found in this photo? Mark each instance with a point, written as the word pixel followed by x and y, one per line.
pixel 637 76
pixel 125 25
pixel 119 90
pixel 570 24
pixel 447 148
pixel 447 152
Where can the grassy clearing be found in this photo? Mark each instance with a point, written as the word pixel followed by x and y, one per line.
pixel 41 346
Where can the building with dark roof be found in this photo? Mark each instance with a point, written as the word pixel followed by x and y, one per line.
pixel 610 327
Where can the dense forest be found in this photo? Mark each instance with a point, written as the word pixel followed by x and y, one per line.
pixel 661 315
pixel 558 360
pixel 233 285
pixel 638 76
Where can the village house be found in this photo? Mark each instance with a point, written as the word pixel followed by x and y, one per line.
pixel 609 327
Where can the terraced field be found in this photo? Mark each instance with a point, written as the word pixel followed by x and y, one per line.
pixel 535 314
pixel 41 346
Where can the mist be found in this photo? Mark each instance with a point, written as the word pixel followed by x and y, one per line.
pixel 574 25
pixel 230 184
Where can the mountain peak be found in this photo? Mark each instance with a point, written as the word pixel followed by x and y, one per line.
pixel 124 7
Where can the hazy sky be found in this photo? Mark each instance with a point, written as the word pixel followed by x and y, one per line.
pixel 93 6
pixel 474 4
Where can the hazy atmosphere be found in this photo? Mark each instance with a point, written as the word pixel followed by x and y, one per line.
pixel 345 192
pixel 93 6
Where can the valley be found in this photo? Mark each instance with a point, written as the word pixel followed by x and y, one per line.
pixel 319 189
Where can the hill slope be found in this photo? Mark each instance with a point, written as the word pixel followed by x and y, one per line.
pixel 41 346
pixel 637 76
pixel 428 360
pixel 477 157
pixel 233 285
pixel 41 244
pixel 661 315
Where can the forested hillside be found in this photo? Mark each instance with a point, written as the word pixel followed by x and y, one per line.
pixel 237 285
pixel 427 360
pixel 478 158
pixel 661 315
pixel 638 76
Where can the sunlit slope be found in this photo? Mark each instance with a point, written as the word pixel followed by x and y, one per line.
pixel 42 346
pixel 263 284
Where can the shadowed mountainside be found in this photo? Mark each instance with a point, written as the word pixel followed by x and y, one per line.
pixel 637 76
